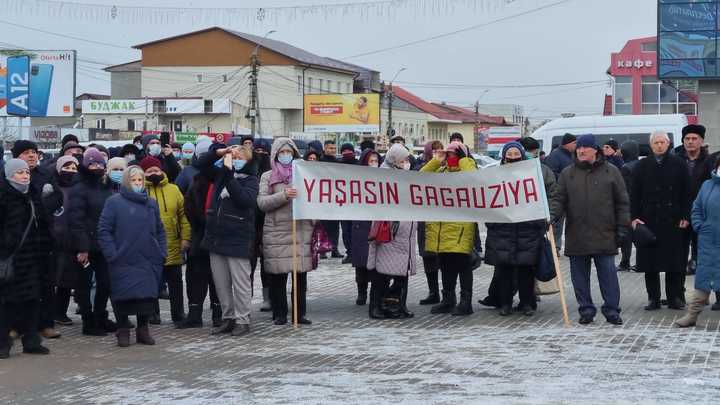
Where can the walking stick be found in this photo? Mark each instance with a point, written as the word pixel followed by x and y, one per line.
pixel 561 284
pixel 294 275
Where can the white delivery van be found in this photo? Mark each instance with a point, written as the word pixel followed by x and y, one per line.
pixel 618 127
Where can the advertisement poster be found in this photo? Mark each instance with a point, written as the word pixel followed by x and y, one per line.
pixel 37 83
pixel 342 112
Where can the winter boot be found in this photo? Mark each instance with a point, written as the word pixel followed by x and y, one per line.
pixel 142 335
pixel 375 309
pixel 123 337
pixel 216 315
pixel 194 318
pixel 226 326
pixel 90 329
pixel 716 305
pixel 266 305
pixel 465 305
pixel 362 294
pixel 32 344
pixel 434 295
pixel 103 321
pixel 403 301
pixel 446 305
pixel 697 302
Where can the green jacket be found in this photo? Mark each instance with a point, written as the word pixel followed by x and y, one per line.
pixel 172 213
pixel 449 237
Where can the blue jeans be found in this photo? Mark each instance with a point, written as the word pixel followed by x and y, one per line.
pixel 607 278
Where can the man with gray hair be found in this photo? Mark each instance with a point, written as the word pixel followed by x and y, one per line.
pixel 660 200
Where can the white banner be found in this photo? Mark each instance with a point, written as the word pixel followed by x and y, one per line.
pixel 507 193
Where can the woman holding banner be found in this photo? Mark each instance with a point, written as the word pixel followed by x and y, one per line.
pixel 514 251
pixel 276 194
pixel 452 241
pixel 393 258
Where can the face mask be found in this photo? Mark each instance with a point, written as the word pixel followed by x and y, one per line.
pixel 178 155
pixel 137 188
pixel 66 178
pixel 154 149
pixel 97 172
pixel 187 156
pixel 348 155
pixel 529 155
pixel 21 187
pixel 139 146
pixel 513 160
pixel 374 164
pixel 116 176
pixel 155 178
pixel 129 158
pixel 453 161
pixel 285 159
pixel 238 164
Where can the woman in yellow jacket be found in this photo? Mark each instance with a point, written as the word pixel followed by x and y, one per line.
pixel 453 242
pixel 177 232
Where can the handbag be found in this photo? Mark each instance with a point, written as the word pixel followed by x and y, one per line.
pixel 643 236
pixel 319 244
pixel 546 262
pixel 7 268
pixel 475 260
pixel 546 287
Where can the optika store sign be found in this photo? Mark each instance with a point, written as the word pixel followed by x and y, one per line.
pixel 114 106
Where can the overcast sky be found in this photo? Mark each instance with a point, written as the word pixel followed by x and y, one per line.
pixel 568 42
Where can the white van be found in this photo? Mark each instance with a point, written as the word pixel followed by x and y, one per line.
pixel 618 127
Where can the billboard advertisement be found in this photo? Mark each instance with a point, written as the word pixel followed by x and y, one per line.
pixel 341 112
pixel 688 34
pixel 37 83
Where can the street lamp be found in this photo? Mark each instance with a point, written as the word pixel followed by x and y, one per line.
pixel 390 129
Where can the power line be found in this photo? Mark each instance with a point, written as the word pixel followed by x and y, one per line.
pixel 453 86
pixel 470 28
pixel 125 47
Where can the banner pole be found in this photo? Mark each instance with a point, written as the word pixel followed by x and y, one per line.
pixel 559 278
pixel 294 275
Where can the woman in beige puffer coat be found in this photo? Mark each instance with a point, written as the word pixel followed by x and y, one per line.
pixel 275 199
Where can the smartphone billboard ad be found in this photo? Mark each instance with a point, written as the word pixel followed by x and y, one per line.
pixel 37 83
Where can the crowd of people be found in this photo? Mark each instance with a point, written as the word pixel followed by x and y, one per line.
pixel 119 226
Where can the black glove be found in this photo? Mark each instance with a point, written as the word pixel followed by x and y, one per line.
pixel 621 236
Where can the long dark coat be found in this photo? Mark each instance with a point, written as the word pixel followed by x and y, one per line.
pixel 514 244
pixel 32 258
pixel 661 199
pixel 360 246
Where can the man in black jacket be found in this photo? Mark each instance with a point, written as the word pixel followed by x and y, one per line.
pixel 560 158
pixel 700 167
pixel 661 201
pixel 347 151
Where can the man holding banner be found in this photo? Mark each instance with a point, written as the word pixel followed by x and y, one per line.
pixel 591 194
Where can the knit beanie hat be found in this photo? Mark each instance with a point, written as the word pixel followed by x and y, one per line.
pixel 613 144
pixel 203 145
pixel 513 144
pixel 586 141
pixel 347 146
pixel 92 155
pixel 13 165
pixel 568 138
pixel 149 162
pixel 147 138
pixel 23 145
pixel 69 138
pixel 63 160
pixel 116 163
pixel 188 145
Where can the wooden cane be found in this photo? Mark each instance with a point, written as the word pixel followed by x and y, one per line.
pixel 561 284
pixel 294 275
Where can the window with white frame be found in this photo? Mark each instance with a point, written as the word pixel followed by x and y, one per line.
pixel 669 96
pixel 623 95
pixel 300 84
pixel 320 85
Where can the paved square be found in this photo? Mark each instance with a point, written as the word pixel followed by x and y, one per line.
pixel 346 358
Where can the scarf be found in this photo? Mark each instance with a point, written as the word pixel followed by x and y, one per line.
pixel 280 173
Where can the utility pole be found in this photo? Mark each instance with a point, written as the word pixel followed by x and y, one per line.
pixel 252 112
pixel 391 96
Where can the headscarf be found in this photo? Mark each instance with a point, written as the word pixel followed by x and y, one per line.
pixel 365 156
pixel 63 160
pixel 395 155
pixel 281 173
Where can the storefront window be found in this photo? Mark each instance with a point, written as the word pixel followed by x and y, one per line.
pixel 669 96
pixel 623 95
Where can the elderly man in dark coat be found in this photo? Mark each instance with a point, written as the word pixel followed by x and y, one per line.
pixel 661 201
